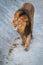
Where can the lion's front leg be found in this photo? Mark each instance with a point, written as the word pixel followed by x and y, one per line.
pixel 23 39
pixel 27 41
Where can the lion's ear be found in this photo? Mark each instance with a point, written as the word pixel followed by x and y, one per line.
pixel 26 19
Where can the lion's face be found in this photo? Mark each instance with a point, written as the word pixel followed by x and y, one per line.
pixel 19 22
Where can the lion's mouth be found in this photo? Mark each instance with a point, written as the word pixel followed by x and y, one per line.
pixel 15 28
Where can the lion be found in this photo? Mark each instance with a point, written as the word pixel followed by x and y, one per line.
pixel 23 20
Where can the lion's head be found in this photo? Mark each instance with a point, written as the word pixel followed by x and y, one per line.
pixel 19 22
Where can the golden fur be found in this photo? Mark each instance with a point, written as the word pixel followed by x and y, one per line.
pixel 24 22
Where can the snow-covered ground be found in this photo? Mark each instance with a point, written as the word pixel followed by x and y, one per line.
pixel 11 51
